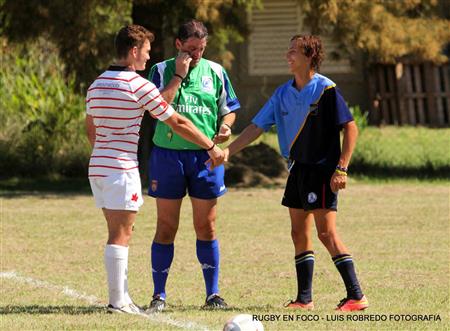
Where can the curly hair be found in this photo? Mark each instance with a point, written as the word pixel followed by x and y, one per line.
pixel 311 47
pixel 130 36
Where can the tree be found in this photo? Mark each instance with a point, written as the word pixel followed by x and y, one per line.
pixel 224 19
pixel 385 31
pixel 83 30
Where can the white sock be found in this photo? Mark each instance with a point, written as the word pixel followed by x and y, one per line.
pixel 126 295
pixel 116 260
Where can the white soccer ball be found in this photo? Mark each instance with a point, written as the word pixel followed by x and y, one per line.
pixel 243 322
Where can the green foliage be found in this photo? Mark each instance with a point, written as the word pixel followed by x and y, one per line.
pixel 83 30
pixel 41 117
pixel 402 152
pixel 360 117
pixel 386 31
pixel 394 152
pixel 224 19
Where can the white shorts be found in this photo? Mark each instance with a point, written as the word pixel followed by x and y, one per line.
pixel 121 191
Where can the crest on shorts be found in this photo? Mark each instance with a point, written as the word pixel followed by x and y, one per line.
pixel 134 197
pixel 154 185
pixel 312 197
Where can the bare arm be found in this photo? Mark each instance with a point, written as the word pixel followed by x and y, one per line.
pixel 186 129
pixel 348 144
pixel 90 129
pixel 181 68
pixel 250 134
pixel 339 179
pixel 229 119
pixel 170 90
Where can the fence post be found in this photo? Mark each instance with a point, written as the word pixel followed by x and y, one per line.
pixel 431 90
pixel 400 80
pixel 374 99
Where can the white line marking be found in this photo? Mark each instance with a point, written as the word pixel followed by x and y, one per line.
pixel 94 300
pixel 42 284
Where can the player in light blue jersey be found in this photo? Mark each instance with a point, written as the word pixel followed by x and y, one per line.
pixel 309 113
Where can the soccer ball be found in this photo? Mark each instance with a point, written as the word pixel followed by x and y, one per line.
pixel 243 322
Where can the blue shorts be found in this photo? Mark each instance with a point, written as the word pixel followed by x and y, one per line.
pixel 172 172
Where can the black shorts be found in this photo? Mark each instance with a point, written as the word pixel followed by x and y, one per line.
pixel 308 188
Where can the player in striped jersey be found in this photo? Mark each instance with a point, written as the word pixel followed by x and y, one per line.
pixel 115 104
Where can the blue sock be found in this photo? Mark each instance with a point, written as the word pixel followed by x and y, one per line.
pixel 345 266
pixel 209 256
pixel 162 256
pixel 304 265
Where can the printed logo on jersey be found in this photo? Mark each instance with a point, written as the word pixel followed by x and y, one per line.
pixel 194 109
pixel 207 84
pixel 192 106
pixel 312 197
pixel 313 109
pixel 108 85
pixel 154 185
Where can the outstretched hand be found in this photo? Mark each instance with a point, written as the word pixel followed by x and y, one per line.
pixel 216 157
pixel 215 162
pixel 223 135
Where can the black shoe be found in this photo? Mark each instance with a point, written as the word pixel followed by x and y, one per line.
pixel 215 302
pixel 157 305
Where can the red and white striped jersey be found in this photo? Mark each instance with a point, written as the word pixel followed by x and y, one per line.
pixel 117 100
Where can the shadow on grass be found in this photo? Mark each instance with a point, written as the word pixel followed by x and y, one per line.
pixel 13 187
pixel 171 308
pixel 194 308
pixel 42 310
pixel 427 172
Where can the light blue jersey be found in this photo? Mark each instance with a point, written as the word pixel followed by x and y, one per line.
pixel 288 109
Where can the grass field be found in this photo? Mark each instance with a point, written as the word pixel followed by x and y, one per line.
pixel 52 275
pixel 397 152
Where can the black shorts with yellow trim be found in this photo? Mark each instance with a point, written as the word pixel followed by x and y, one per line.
pixel 308 188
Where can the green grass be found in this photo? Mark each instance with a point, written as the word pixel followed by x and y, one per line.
pixel 396 153
pixel 398 235
pixel 405 152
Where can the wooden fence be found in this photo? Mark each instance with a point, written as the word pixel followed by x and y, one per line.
pixel 410 94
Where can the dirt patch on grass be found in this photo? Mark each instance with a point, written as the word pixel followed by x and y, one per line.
pixel 256 165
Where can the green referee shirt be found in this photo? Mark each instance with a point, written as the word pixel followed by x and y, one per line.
pixel 204 97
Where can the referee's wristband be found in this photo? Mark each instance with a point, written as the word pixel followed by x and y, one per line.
pixel 210 149
pixel 179 76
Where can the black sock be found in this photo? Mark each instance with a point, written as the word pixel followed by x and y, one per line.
pixel 304 265
pixel 345 266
